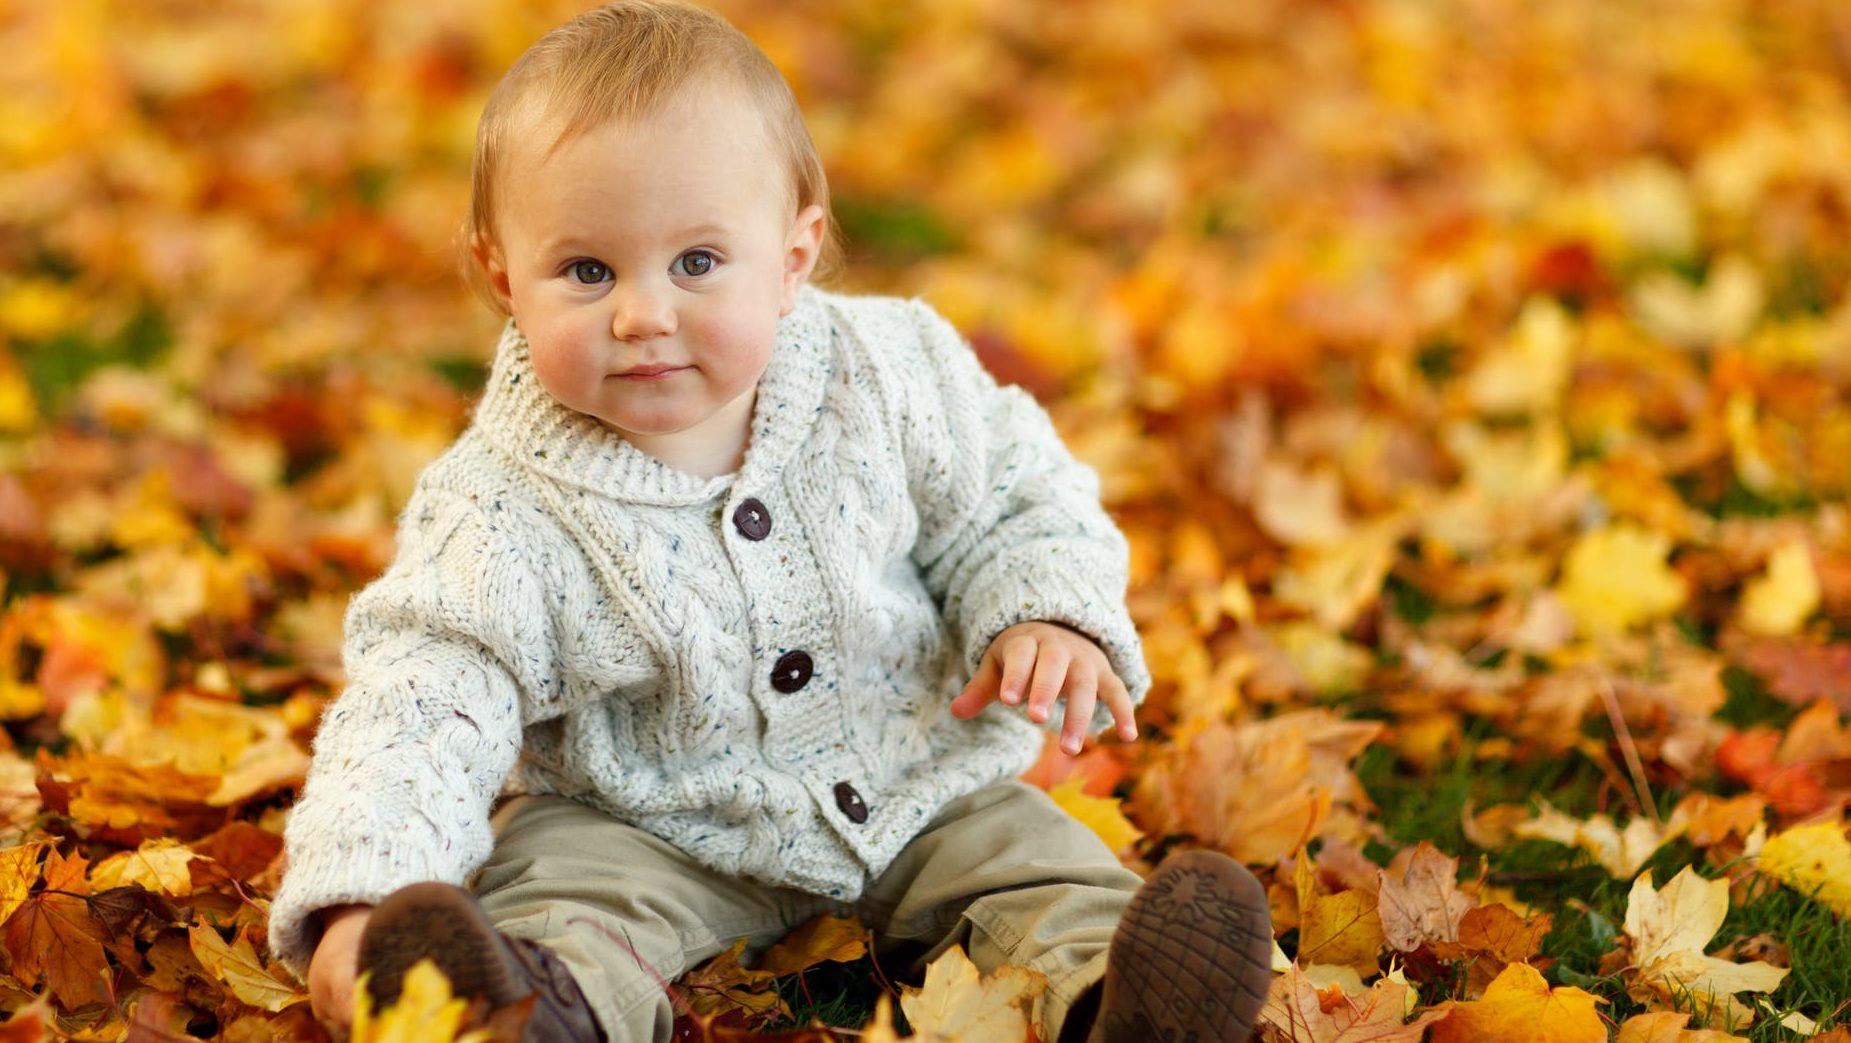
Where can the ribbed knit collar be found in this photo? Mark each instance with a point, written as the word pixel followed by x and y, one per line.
pixel 518 416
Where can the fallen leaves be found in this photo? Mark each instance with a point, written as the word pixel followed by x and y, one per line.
pixel 1464 415
pixel 1670 928
pixel 1520 1007
pixel 958 1004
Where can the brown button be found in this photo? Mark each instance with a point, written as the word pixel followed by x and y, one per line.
pixel 752 519
pixel 792 671
pixel 850 802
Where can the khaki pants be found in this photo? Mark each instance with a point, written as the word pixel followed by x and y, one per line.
pixel 1004 872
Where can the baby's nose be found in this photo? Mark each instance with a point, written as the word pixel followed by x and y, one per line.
pixel 639 312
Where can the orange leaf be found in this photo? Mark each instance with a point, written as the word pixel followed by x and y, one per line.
pixel 1520 1007
pixel 55 936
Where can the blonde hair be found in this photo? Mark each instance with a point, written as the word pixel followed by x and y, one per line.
pixel 620 62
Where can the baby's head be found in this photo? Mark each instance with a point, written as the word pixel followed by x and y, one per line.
pixel 647 204
pixel 622 62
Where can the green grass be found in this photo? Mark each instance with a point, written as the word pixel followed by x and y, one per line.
pixel 842 994
pixel 1588 906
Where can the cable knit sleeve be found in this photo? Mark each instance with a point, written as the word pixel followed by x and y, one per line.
pixel 1011 528
pixel 411 755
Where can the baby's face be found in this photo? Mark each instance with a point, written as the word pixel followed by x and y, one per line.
pixel 648 263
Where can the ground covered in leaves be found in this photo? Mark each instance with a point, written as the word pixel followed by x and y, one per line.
pixel 1469 375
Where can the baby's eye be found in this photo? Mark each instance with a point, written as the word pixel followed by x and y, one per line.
pixel 694 262
pixel 589 272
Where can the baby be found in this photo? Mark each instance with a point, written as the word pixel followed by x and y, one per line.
pixel 758 596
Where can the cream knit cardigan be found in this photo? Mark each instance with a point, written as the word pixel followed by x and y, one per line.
pixel 565 614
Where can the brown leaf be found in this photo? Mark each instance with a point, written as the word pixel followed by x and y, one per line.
pixel 1425 905
pixel 56 937
pixel 1801 670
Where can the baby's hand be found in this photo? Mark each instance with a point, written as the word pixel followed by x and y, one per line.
pixel 1048 661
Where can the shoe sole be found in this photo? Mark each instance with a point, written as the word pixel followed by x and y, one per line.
pixel 444 924
pixel 1191 961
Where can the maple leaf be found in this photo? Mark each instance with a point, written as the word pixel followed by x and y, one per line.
pixel 1491 938
pixel 1620 852
pixel 159 865
pixel 1615 578
pixel 1800 670
pixel 1814 860
pixel 1779 602
pixel 425 1012
pixel 1256 790
pixel 1297 1011
pixel 1520 1007
pixel 1425 904
pixel 54 935
pixel 1669 928
pixel 1339 930
pixel 244 972
pixel 111 799
pixel 19 870
pixel 959 1004
pixel 1668 1027
pixel 1103 815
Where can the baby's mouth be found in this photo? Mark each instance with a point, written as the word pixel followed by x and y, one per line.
pixel 641 373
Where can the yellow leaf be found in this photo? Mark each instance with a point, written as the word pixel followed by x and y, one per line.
pixel 1335 582
pixel 1616 578
pixel 33 309
pixel 1102 815
pixel 1814 860
pixel 242 970
pixel 1780 601
pixel 1723 310
pixel 18 413
pixel 1342 929
pixel 881 1030
pixel 958 1004
pixel 159 865
pixel 824 939
pixel 19 870
pixel 1668 1027
pixel 1621 852
pixel 424 1013
pixel 1528 372
pixel 1520 1007
pixel 1670 927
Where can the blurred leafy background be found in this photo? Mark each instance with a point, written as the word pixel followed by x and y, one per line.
pixel 1469 375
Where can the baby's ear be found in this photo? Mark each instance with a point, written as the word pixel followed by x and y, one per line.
pixel 801 252
pixel 491 271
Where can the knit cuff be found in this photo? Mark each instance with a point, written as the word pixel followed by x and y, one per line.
pixel 358 870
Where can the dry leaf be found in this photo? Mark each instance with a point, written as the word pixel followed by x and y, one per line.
pixel 240 968
pixel 1425 905
pixel 1670 928
pixel 956 1003
pixel 1296 1012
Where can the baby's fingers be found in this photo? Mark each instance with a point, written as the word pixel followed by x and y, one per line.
pixel 981 690
pixel 1078 719
pixel 1118 700
pixel 1051 665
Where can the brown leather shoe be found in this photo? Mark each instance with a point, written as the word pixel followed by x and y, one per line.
pixel 445 924
pixel 1192 957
